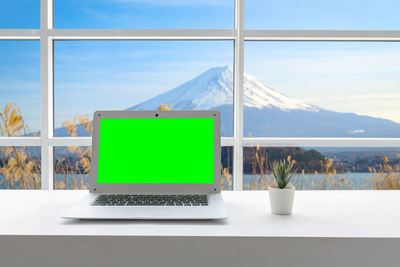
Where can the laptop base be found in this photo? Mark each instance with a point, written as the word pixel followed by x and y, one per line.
pixel 84 210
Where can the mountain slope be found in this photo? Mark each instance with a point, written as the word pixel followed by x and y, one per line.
pixel 267 113
pixel 324 123
pixel 215 88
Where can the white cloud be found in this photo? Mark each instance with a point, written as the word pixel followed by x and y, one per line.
pixel 357 97
pixel 327 62
pixel 357 131
pixel 18 86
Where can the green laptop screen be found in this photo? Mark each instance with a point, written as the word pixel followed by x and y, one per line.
pixel 156 151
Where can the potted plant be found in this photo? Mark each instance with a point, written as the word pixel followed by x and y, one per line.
pixel 281 195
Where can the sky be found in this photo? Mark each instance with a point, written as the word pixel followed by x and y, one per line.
pixel 322 14
pixel 90 75
pixel 20 78
pixel 259 14
pixel 347 77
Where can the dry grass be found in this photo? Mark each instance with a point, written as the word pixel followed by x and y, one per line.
pixel 226 179
pixel 19 168
pixel 385 178
pixel 75 172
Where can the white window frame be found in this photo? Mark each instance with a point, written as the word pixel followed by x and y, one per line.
pixel 47 35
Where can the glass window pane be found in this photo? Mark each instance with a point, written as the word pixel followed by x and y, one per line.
pixel 337 168
pixel 321 89
pixel 226 166
pixel 19 14
pixel 139 75
pixel 156 14
pixel 20 167
pixel 19 88
pixel 322 15
pixel 72 167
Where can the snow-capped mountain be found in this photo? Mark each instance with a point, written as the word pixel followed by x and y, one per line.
pixel 214 88
pixel 267 113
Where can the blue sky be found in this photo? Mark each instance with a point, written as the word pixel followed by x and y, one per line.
pixel 144 14
pixel 259 14
pixel 20 78
pixel 17 14
pixel 348 77
pixel 91 75
pixel 322 14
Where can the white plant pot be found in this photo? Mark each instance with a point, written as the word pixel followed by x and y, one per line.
pixel 281 199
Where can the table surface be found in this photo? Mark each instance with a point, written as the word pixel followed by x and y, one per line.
pixel 315 214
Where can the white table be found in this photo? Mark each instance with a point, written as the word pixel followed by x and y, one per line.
pixel 327 228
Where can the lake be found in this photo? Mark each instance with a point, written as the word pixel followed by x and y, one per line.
pixel 354 180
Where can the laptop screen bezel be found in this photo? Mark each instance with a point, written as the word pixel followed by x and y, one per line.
pixel 95 187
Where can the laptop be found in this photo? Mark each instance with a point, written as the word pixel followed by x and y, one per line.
pixel 154 165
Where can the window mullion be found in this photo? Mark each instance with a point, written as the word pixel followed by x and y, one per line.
pixel 322 35
pixel 46 83
pixel 238 96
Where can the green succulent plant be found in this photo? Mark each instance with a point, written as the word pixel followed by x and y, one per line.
pixel 282 171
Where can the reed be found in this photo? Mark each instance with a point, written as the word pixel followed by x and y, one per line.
pixel 20 170
pixel 387 177
pixel 75 169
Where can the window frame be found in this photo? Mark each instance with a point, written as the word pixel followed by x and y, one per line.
pixel 47 35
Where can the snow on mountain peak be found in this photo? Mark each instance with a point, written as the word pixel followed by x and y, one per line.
pixel 257 94
pixel 214 88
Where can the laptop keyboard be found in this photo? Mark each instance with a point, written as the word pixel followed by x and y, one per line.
pixel 151 200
